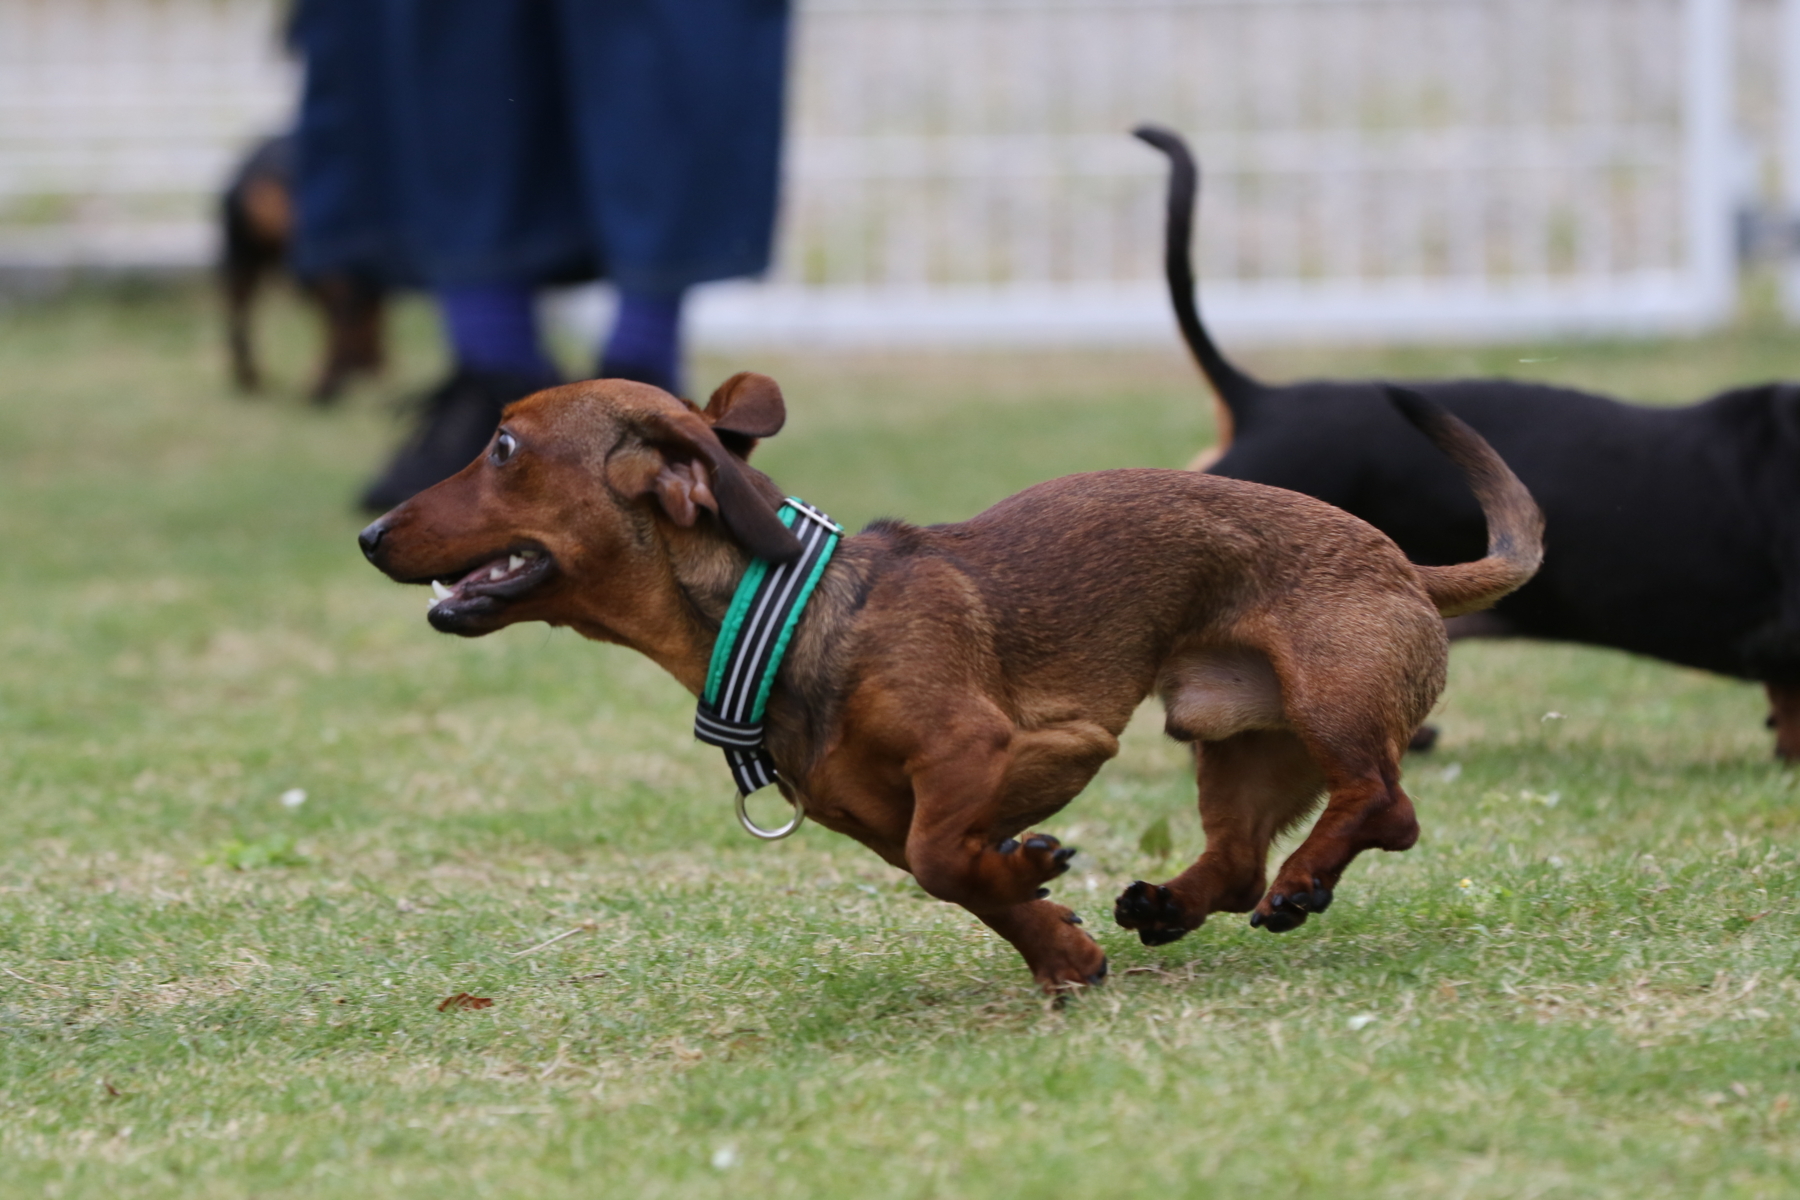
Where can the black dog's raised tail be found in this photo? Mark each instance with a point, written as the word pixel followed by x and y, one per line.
pixel 1514 522
pixel 1235 389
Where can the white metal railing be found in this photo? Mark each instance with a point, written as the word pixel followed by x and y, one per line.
pixel 1788 39
pixel 960 170
pixel 120 119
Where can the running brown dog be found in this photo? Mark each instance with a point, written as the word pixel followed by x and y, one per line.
pixel 948 687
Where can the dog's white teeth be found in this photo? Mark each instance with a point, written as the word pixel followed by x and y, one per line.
pixel 514 563
pixel 440 592
pixel 497 573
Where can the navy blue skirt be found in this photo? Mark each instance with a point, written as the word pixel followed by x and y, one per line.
pixel 447 142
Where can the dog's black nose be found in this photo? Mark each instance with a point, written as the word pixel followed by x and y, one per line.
pixel 370 538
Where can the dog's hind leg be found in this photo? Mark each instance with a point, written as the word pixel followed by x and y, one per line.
pixel 1353 703
pixel 1060 954
pixel 1366 811
pixel 1252 786
pixel 241 278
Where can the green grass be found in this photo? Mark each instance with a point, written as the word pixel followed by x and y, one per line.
pixel 1580 983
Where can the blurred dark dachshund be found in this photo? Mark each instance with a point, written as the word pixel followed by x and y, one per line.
pixel 1672 532
pixel 257 216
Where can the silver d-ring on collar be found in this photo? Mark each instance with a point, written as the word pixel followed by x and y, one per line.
pixel 769 835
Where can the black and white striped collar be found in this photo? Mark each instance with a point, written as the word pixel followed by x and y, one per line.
pixel 752 641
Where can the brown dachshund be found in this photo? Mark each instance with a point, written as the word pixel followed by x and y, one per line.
pixel 948 687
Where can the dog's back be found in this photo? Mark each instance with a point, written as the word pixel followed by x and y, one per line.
pixel 1217 548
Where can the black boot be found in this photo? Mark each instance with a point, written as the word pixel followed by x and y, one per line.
pixel 456 419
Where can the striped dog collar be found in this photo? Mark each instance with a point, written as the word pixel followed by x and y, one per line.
pixel 752 641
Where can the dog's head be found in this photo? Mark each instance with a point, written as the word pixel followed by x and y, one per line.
pixel 570 513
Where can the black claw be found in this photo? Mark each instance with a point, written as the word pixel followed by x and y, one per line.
pixel 1064 855
pixel 1038 842
pixel 1099 975
pixel 1072 919
pixel 1256 920
pixel 1008 846
pixel 1321 900
pixel 1042 892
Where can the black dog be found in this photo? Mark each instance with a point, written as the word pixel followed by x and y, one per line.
pixel 257 216
pixel 1626 491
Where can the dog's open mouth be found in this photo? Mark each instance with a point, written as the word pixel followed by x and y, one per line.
pixel 466 597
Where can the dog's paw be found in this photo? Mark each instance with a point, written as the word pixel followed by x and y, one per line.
pixel 1153 911
pixel 1065 992
pixel 1069 990
pixel 1070 960
pixel 1282 911
pixel 1042 856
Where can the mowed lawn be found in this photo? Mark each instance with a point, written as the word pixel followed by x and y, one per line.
pixel 1580 983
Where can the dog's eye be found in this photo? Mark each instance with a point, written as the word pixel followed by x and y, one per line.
pixel 504 445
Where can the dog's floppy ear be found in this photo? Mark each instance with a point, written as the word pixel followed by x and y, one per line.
pixel 693 470
pixel 745 407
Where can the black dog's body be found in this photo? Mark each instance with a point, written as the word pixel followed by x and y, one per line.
pixel 1625 491
pixel 256 216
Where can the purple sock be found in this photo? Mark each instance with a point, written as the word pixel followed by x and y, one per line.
pixel 493 327
pixel 646 340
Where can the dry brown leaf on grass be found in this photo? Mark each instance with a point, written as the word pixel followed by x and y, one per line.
pixel 463 1000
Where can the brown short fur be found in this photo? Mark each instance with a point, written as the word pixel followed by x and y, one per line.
pixel 949 687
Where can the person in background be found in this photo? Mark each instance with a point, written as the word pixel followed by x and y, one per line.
pixel 484 149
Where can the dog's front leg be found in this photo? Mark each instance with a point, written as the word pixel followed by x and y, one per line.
pixel 969 801
pixel 1062 957
pixel 968 864
pixel 983 781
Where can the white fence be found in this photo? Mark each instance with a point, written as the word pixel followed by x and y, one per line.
pixel 120 120
pixel 959 170
pixel 1385 167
